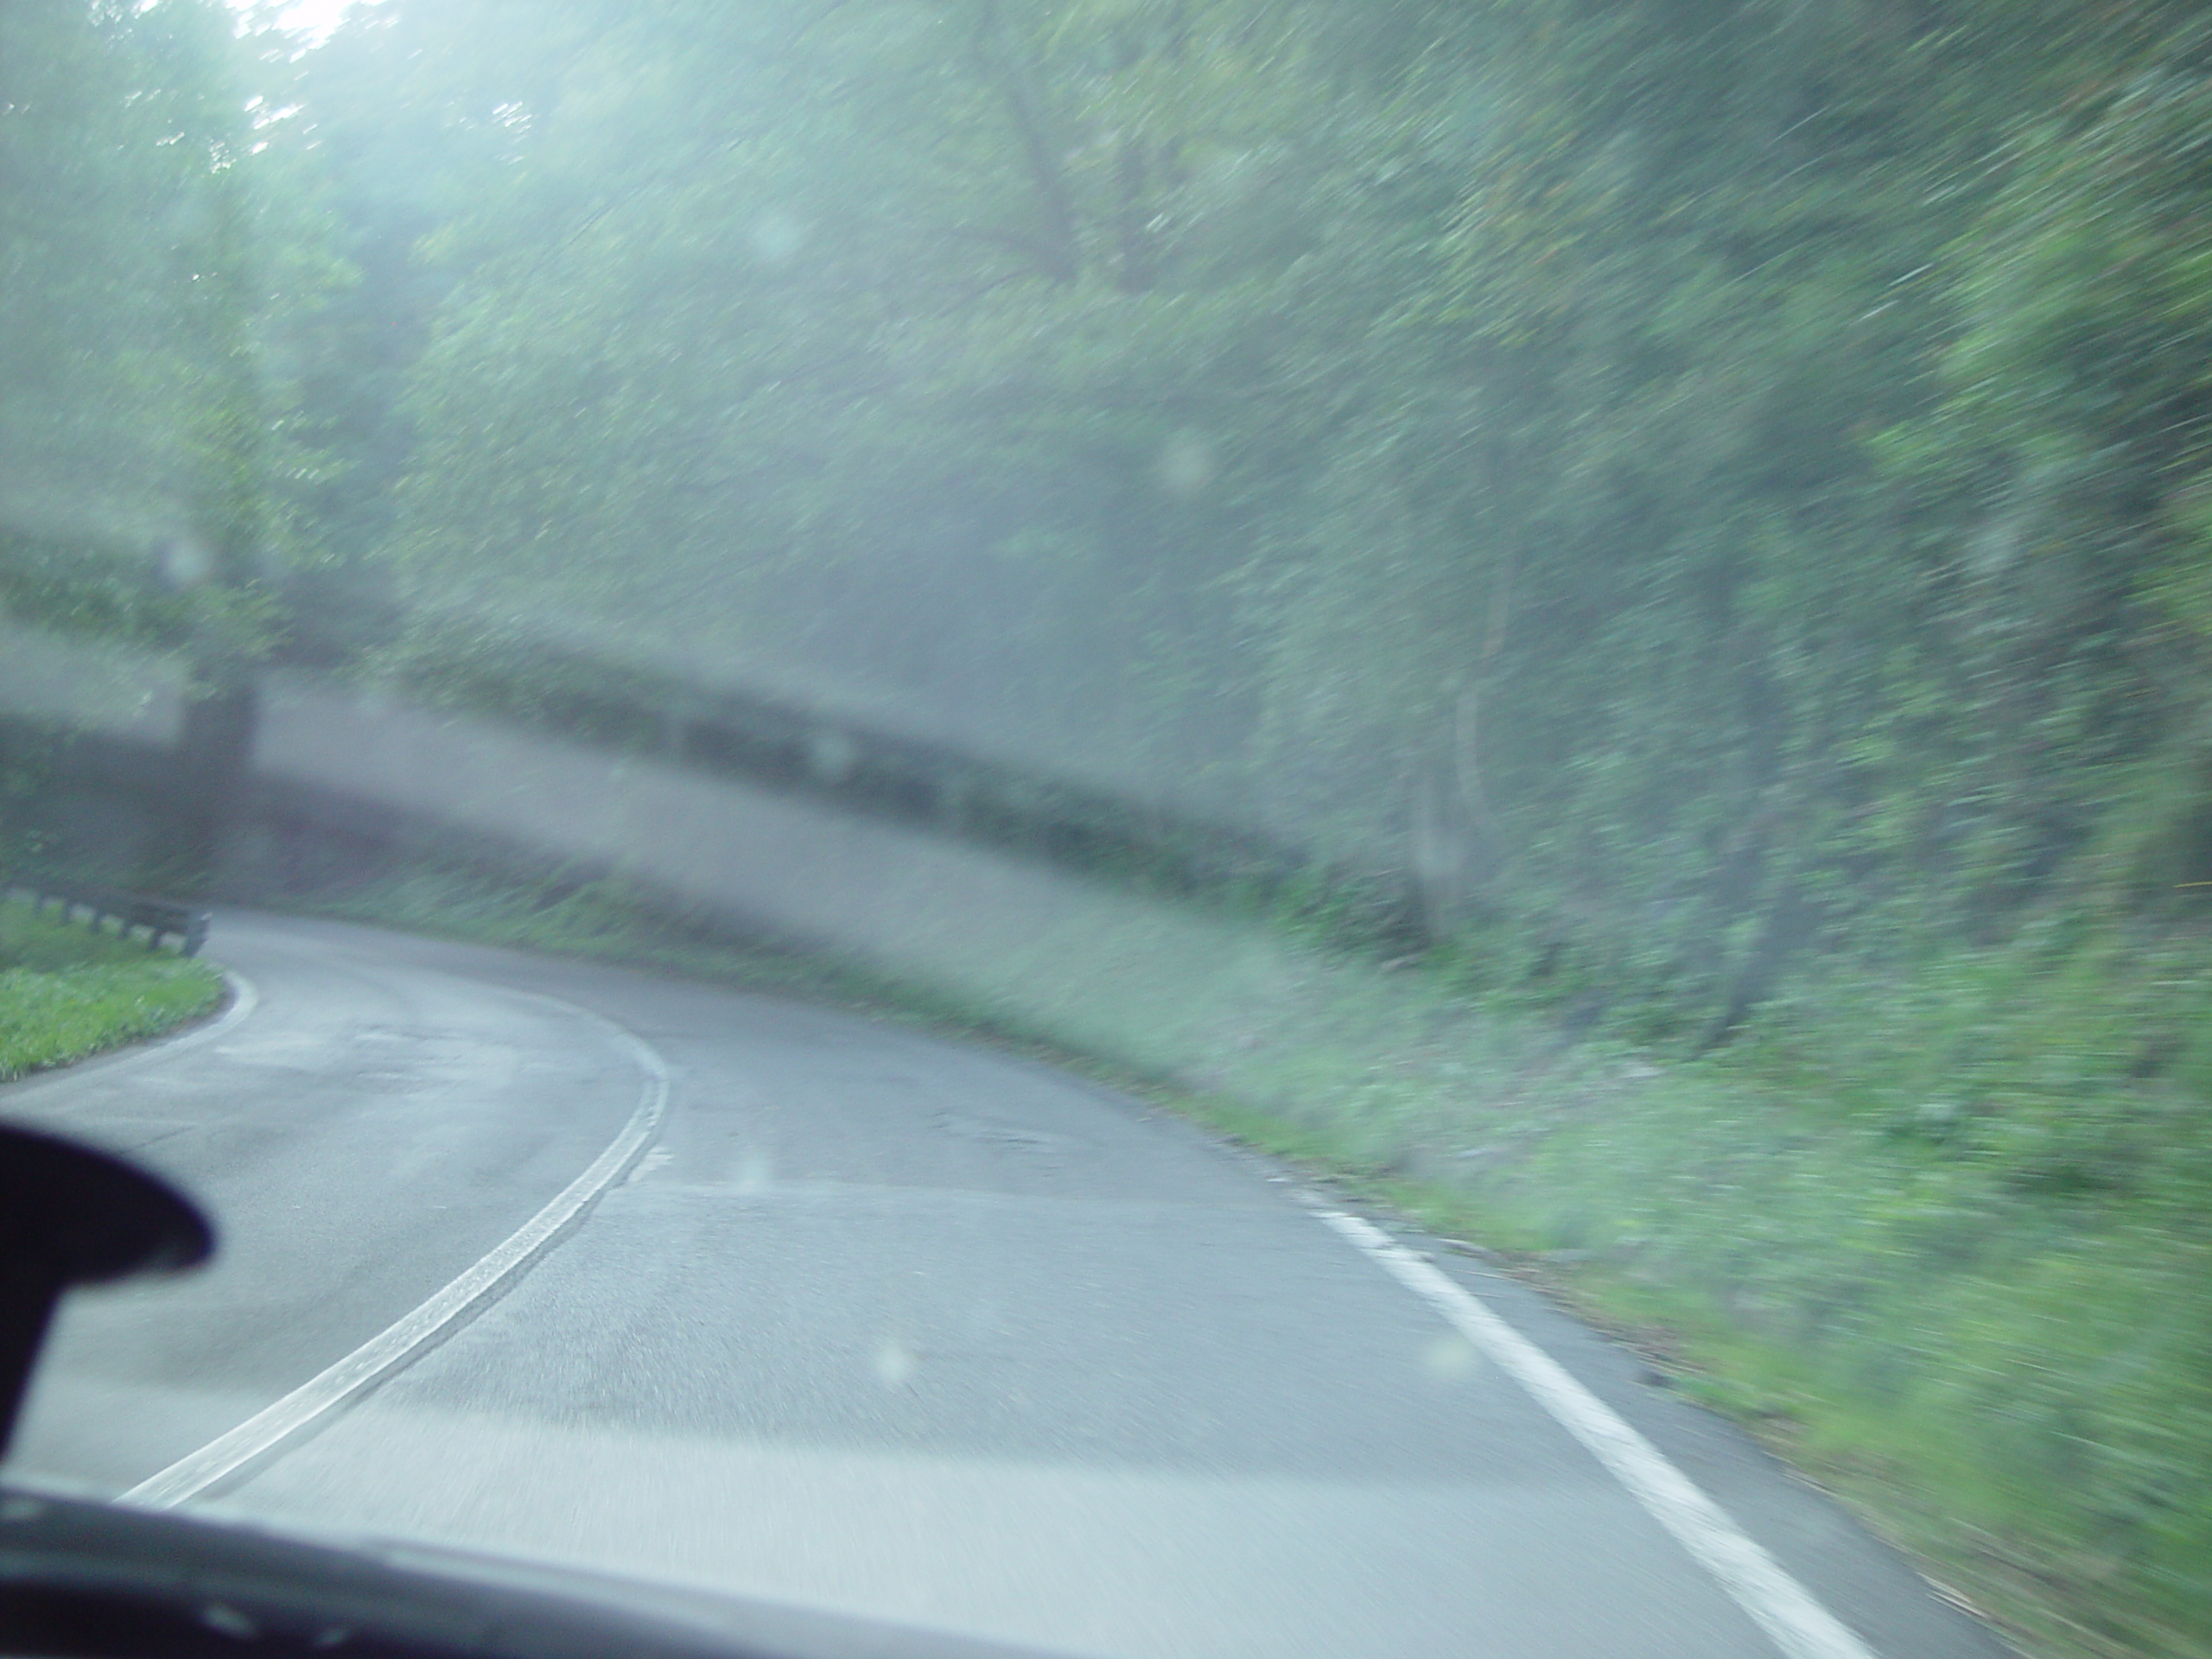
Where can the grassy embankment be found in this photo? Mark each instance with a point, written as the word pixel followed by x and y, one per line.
pixel 68 992
pixel 1945 1245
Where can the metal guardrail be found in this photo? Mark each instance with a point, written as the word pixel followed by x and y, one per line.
pixel 161 919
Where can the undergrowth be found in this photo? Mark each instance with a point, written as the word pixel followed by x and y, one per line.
pixel 67 992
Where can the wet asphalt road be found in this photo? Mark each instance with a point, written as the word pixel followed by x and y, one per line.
pixel 878 1322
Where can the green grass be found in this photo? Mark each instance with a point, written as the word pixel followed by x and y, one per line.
pixel 2016 1394
pixel 1944 1241
pixel 67 992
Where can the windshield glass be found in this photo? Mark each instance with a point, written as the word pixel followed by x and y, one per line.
pixel 1154 826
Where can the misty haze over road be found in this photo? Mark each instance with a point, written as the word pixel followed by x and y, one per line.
pixel 880 1322
pixel 1591 620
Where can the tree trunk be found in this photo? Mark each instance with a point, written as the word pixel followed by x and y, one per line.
pixel 1061 253
pixel 214 762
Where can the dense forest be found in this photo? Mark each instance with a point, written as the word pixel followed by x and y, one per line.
pixel 1715 495
pixel 1722 479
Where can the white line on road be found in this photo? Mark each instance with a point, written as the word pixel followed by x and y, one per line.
pixel 389 1351
pixel 244 1001
pixel 1781 1607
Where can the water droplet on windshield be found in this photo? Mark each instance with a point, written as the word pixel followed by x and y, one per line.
pixel 182 563
pixel 776 238
pixel 894 1363
pixel 1187 465
pixel 1451 1357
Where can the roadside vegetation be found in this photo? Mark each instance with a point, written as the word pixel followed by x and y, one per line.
pixel 68 992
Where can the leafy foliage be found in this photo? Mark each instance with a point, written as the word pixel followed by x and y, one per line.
pixel 158 276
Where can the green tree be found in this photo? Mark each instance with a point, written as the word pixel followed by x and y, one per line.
pixel 162 264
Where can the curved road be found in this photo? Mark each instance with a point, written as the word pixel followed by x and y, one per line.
pixel 881 1323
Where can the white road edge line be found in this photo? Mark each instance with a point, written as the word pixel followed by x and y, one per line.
pixel 1784 1608
pixel 244 1001
pixel 390 1349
